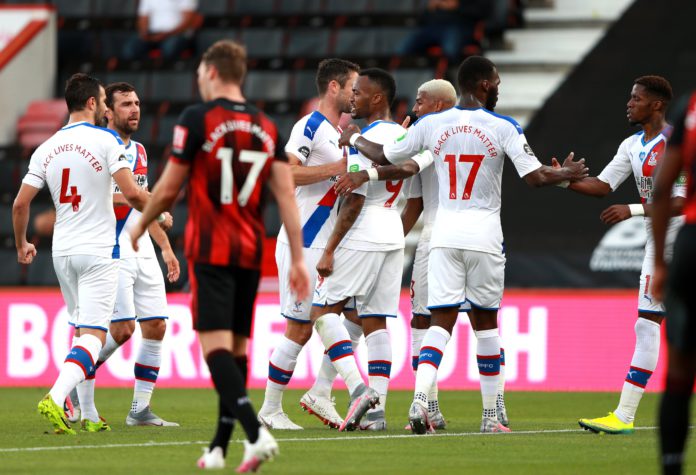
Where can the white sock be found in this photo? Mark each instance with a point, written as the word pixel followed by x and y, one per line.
pixel 488 357
pixel 327 373
pixel 500 399
pixel 643 364
pixel 146 370
pixel 79 364
pixel 336 340
pixel 432 349
pixel 379 356
pixel 280 368
pixel 417 335
pixel 110 346
pixel 85 392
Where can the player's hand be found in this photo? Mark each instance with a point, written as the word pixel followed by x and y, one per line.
pixel 325 264
pixel 347 133
pixel 350 181
pixel 168 222
pixel 299 280
pixel 26 253
pixel 577 169
pixel 615 214
pixel 172 263
pixel 555 163
pixel 657 284
pixel 406 121
pixel 137 231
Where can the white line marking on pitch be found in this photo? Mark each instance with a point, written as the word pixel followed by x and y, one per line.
pixel 301 439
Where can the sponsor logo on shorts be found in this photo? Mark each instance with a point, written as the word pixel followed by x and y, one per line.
pixel 297 307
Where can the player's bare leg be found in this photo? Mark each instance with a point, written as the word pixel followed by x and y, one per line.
pixel 442 322
pixel 336 340
pixel 485 323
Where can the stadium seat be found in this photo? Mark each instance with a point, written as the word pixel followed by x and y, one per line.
pixel 30 140
pixel 284 122
pixel 271 219
pixel 136 79
pixel 119 9
pixel 41 272
pixel 214 7
pixel 390 6
pixel 74 8
pixel 111 43
pixel 9 179
pixel 173 86
pixel 389 39
pixel 164 129
pixel 263 42
pixel 356 42
pixel 304 85
pixel 48 108
pixel 409 80
pixel 180 214
pixel 206 37
pixel 344 7
pixel 309 42
pixel 144 133
pixel 12 270
pixel 297 7
pixel 267 85
pixel 254 7
pixel 6 220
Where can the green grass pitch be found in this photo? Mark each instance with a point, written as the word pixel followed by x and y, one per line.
pixel 546 438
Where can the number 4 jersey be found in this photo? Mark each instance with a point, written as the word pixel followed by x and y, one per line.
pixel 77 163
pixel 230 147
pixel 468 148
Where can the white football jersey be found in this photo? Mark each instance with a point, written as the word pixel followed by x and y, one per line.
pixel 127 217
pixel 315 142
pixel 638 157
pixel 424 185
pixel 378 227
pixel 469 148
pixel 77 163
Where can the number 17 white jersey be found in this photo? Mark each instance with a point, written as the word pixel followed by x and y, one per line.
pixel 77 163
pixel 469 148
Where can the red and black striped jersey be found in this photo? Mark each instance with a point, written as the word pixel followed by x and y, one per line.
pixel 230 147
pixel 684 136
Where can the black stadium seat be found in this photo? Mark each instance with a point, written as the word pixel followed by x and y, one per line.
pixel 309 42
pixel 267 85
pixel 173 86
pixel 263 42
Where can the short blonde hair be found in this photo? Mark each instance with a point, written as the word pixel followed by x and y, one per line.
pixel 440 89
pixel 229 58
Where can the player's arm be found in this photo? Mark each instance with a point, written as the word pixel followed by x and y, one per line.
pixel 309 174
pixel 163 196
pixel 134 195
pixel 591 186
pixel 545 175
pixel 20 222
pixel 352 180
pixel 371 150
pixel 349 212
pixel 168 256
pixel 617 213
pixel 283 190
pixel 411 213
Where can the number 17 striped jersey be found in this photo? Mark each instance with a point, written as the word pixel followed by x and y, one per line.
pixel 230 147
pixel 468 148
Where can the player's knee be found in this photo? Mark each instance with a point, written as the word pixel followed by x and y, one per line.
pixel 122 332
pixel 299 333
pixel 420 322
pixel 154 329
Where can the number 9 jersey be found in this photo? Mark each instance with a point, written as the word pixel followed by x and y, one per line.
pixel 469 148
pixel 230 147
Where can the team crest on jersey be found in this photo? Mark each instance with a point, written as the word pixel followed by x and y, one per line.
pixel 652 158
pixel 179 139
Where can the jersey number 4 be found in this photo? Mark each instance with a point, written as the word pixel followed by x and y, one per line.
pixel 475 161
pixel 257 160
pixel 73 198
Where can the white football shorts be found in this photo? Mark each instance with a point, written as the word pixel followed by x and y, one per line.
pixel 141 294
pixel 88 285
pixel 290 307
pixel 419 282
pixel 372 277
pixel 646 302
pixel 460 276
